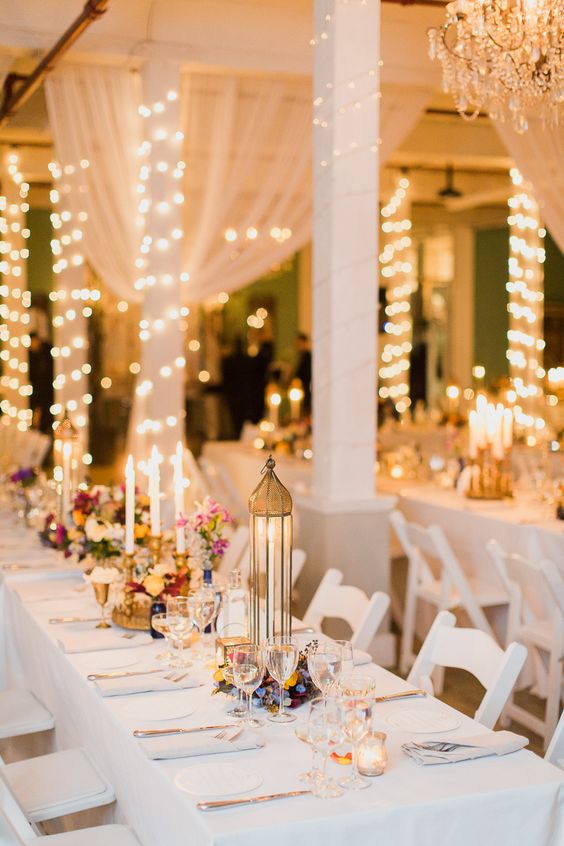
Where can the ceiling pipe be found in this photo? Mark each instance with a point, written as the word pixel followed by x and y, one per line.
pixel 18 88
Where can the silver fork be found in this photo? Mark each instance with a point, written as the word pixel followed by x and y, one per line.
pixel 223 734
pixel 175 676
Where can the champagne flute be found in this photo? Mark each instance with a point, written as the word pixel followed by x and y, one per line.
pixel 324 666
pixel 356 703
pixel 102 592
pixel 281 659
pixel 248 673
pixel 205 607
pixel 161 624
pixel 324 732
pixel 180 621
pixel 347 658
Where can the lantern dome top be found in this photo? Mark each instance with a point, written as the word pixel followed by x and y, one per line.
pixel 270 498
pixel 65 429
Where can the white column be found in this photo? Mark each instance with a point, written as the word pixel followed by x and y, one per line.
pixel 344 524
pixel 345 245
pixel 72 299
pixel 158 413
pixel 16 299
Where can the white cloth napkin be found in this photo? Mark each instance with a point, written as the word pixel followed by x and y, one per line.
pixel 141 684
pixel 453 749
pixel 199 743
pixel 96 640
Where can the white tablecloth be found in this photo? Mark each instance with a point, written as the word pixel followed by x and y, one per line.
pixel 518 799
pixel 469 524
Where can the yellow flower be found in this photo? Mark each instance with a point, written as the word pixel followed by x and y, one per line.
pixel 141 531
pixel 154 585
pixel 78 518
pixel 143 500
pixel 218 676
pixel 291 681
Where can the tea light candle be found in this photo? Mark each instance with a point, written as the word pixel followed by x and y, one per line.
pixel 372 756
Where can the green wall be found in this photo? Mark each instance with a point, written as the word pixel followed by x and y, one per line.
pixel 491 319
pixel 39 263
pixel 490 301
pixel 280 287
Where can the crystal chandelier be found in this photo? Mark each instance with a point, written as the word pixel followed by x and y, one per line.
pixel 503 56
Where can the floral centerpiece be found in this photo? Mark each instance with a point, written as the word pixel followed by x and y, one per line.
pixel 54 535
pixel 24 477
pixel 161 581
pixel 299 688
pixel 204 533
pixel 98 516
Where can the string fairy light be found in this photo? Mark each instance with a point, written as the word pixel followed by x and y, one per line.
pixel 160 175
pixel 525 286
pixel 73 300
pixel 14 310
pixel 396 271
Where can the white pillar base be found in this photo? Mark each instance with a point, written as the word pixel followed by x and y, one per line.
pixel 352 537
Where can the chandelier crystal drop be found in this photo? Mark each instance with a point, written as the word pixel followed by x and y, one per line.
pixel 505 57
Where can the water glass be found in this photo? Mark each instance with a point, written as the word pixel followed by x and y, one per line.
pixel 356 702
pixel 282 656
pixel 325 732
pixel 248 673
pixel 180 621
pixel 347 659
pixel 160 624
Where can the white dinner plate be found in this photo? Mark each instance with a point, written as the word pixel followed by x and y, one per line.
pixel 108 660
pixel 424 720
pixel 217 779
pixel 360 657
pixel 151 708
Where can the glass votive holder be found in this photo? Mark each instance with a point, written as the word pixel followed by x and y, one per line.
pixel 372 755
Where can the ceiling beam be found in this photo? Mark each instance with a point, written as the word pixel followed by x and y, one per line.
pixel 18 88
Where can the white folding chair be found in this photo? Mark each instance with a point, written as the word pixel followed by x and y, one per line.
pixel 478 653
pixel 555 751
pixel 222 488
pixel 238 547
pixel 536 618
pixel 446 586
pixel 56 784
pixel 16 831
pixel 21 713
pixel 345 602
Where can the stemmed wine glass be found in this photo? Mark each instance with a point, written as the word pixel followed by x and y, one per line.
pixel 281 660
pixel 347 658
pixel 180 621
pixel 205 607
pixel 238 710
pixel 324 732
pixel 248 673
pixel 324 666
pixel 356 701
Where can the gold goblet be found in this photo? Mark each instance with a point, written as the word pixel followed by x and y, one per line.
pixel 101 592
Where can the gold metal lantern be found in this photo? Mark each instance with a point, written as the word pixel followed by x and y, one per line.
pixel 66 461
pixel 270 587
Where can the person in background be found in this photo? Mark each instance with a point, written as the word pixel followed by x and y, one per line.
pixel 260 365
pixel 303 367
pixel 41 380
pixel 237 386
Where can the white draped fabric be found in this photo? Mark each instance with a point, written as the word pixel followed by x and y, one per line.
pixel 539 154
pixel 248 152
pixel 401 107
pixel 94 120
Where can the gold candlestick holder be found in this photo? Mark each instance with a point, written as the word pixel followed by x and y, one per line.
pixel 128 573
pixel 132 613
pixel 155 549
pixel 490 477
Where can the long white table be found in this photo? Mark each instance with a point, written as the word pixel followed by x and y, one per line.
pixel 518 799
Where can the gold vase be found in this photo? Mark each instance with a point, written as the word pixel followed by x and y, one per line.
pixel 101 592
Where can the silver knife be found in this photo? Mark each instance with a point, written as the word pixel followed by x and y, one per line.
pixel 123 675
pixel 407 694
pixel 162 732
pixel 249 800
pixel 55 620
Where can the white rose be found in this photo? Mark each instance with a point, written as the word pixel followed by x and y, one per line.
pixel 164 569
pixel 103 575
pixel 95 530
